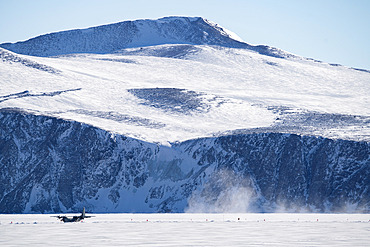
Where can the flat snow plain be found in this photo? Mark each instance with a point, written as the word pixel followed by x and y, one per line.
pixel 188 230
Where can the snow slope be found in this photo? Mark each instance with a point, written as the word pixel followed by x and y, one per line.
pixel 234 89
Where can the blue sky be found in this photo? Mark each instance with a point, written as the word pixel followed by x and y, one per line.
pixel 334 31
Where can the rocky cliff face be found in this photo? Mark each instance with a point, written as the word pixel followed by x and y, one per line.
pixel 52 165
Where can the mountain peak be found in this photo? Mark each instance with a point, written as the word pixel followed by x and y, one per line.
pixel 139 33
pixel 113 37
pixel 221 30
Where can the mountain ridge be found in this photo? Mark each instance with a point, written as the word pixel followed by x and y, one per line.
pixel 110 38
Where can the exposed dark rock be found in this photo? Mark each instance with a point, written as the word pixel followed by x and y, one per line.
pixel 50 165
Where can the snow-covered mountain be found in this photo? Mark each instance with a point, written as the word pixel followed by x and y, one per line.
pixel 140 33
pixel 178 114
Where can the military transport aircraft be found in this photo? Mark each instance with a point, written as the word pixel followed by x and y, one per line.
pixel 74 218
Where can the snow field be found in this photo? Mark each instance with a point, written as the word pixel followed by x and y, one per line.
pixel 246 82
pixel 188 230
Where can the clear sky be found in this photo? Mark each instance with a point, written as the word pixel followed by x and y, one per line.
pixel 334 31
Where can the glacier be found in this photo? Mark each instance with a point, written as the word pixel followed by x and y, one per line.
pixel 178 115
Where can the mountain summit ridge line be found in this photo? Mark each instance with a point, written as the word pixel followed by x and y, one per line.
pixel 111 38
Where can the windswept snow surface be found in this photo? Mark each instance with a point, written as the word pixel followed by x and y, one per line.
pixel 176 92
pixel 138 33
pixel 188 230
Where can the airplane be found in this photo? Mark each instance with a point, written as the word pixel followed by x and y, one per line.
pixel 74 218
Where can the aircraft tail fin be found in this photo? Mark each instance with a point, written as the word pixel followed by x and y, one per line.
pixel 83 213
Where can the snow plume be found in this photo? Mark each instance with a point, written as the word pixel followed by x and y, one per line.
pixel 339 206
pixel 346 206
pixel 224 192
pixel 282 206
pixel 352 208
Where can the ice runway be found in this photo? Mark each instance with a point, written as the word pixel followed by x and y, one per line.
pixel 188 230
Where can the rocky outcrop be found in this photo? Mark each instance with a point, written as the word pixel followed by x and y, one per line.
pixel 50 165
